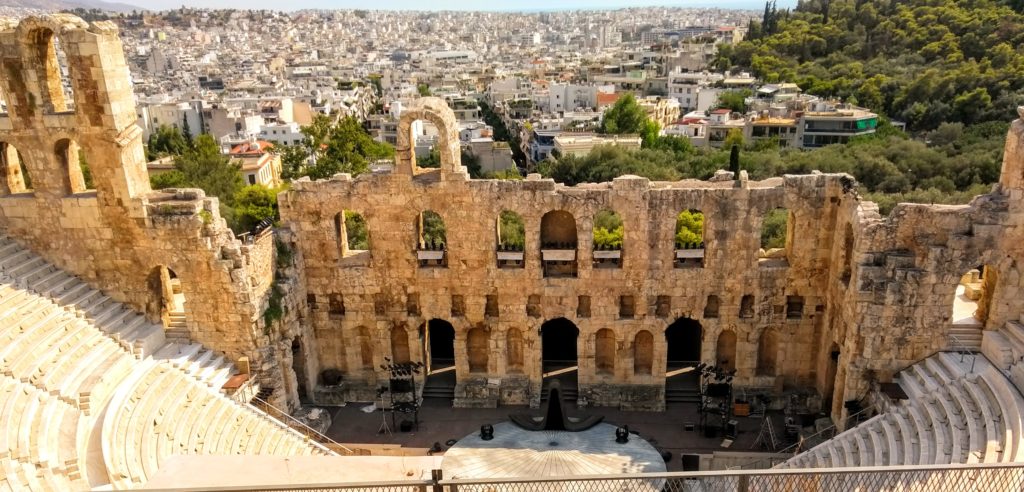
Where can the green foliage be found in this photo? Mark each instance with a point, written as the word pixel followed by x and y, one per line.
pixel 86 171
pixel 608 230
pixel 423 90
pixel 501 133
pixel 253 204
pixel 511 173
pixel 434 231
pixel 923 62
pixel 166 141
pixel 285 255
pixel 625 116
pixel 203 166
pixel 512 230
pixel 347 148
pixel 689 227
pixel 734 100
pixel 357 234
pixel 168 179
pixel 275 310
pixel 773 229
pixel 206 216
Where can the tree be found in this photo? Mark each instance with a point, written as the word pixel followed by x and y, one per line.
pixel 357 233
pixel 608 230
pixel 166 141
pixel 423 90
pixel 625 116
pixel 205 167
pixel 186 132
pixel 512 230
pixel 253 204
pixel 170 179
pixel 734 100
pixel 734 160
pixel 347 148
pixel 689 228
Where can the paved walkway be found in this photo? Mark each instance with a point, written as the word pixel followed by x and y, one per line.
pixel 439 422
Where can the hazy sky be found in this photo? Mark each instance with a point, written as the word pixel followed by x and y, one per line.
pixel 516 5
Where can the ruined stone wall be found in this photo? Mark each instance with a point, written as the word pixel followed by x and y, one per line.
pixel 371 294
pixel 116 235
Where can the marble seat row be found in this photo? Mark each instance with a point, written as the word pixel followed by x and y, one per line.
pixel 75 362
pixel 960 409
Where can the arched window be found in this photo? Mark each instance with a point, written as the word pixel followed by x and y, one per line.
pixel 767 352
pixel 351 234
pixel 55 84
pixel 365 348
pixel 558 244
pixel 15 174
pixel 77 176
pixel 400 345
pixel 604 351
pixel 689 239
pixel 747 306
pixel 167 300
pixel 511 239
pixel 643 353
pixel 711 307
pixel 608 237
pixel 431 239
pixel 514 350
pixel 725 355
pixel 774 236
pixel 477 348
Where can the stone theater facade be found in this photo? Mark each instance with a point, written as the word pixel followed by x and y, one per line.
pixel 853 298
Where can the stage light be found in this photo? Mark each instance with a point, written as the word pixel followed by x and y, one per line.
pixel 487 432
pixel 622 434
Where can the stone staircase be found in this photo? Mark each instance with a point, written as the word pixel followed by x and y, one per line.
pixel 177 328
pixel 960 409
pixel 93 396
pixel 968 336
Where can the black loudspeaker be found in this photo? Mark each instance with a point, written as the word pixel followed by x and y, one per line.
pixel 691 462
pixel 405 426
pixel 710 431
pixel 730 429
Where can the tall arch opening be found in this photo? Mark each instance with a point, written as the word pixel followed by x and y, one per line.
pixel 511 236
pixel 477 348
pixel 76 174
pixel 400 345
pixel 559 356
pixel 643 353
pixel 604 351
pixel 725 351
pixel 438 337
pixel 833 387
pixel 55 83
pixel 514 350
pixel 689 239
pixel 558 244
pixel 768 352
pixel 299 367
pixel 15 174
pixel 365 345
pixel 167 300
pixel 432 239
pixel 683 353
pixel 971 303
pixel 609 231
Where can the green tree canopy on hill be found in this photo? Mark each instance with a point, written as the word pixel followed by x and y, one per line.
pixel 625 116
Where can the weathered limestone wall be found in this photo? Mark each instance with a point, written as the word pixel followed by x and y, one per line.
pixel 116 235
pixel 376 288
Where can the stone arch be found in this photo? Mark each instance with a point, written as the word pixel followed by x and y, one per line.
pixel 683 340
pixel 43 50
pixel 608 238
pixel 477 349
pixel 767 352
pixel 16 178
pixel 711 307
pixel 73 171
pixel 365 344
pixel 166 299
pixel 514 349
pixel 643 353
pixel 436 111
pixel 400 345
pixel 558 242
pixel 725 350
pixel 604 351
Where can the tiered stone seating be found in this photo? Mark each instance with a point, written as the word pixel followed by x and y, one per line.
pixel 958 411
pixel 80 378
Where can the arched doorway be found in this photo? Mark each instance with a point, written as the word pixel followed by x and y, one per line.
pixel 438 338
pixel 299 366
pixel 559 356
pixel 683 353
pixel 167 301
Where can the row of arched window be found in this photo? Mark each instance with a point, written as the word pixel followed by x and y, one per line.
pixel 558 238
pixel 605 350
pixel 76 176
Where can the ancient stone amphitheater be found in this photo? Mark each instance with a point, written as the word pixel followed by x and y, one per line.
pixel 136 328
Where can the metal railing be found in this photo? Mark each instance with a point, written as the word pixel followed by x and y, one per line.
pixel 308 432
pixel 964 351
pixel 991 477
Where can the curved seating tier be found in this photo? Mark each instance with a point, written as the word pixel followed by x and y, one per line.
pixel 82 375
pixel 960 409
